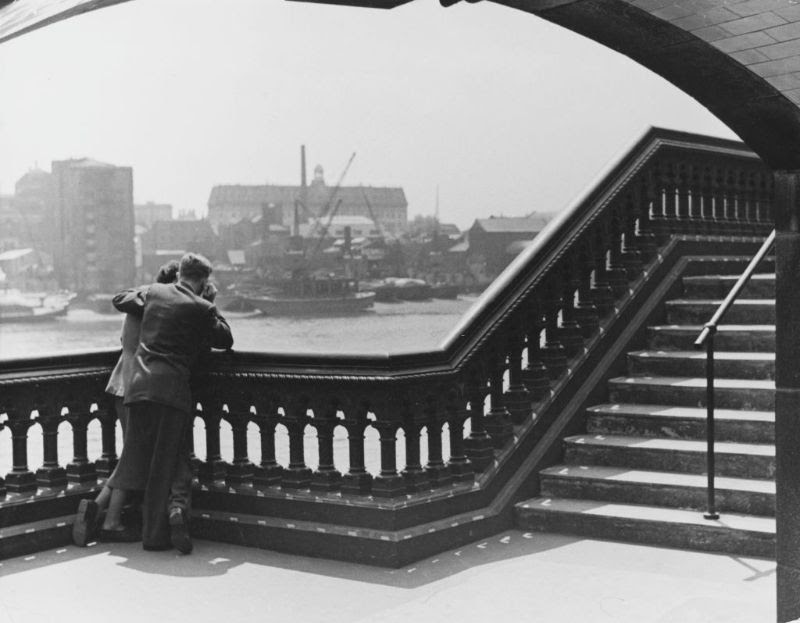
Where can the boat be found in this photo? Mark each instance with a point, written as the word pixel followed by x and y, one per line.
pixel 400 288
pixel 18 306
pixel 445 290
pixel 331 296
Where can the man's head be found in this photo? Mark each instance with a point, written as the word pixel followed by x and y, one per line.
pixel 168 273
pixel 195 270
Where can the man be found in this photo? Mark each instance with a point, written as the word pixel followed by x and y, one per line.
pixel 177 324
pixel 86 521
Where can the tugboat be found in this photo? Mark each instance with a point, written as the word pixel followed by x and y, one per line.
pixel 310 296
pixel 313 276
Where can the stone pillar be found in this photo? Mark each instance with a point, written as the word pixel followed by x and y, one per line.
pixel 787 400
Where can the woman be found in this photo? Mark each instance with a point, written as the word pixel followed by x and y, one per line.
pixel 112 500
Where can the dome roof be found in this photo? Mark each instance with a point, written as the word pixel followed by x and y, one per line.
pixel 34 179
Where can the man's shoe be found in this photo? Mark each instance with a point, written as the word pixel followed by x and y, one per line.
pixel 85 525
pixel 179 531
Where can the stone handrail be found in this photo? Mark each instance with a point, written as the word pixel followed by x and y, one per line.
pixel 459 407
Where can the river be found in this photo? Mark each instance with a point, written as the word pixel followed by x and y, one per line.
pixel 389 327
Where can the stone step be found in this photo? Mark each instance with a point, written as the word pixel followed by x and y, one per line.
pixel 727 364
pixel 648 420
pixel 743 535
pixel 700 311
pixel 760 286
pixel 733 265
pixel 631 486
pixel 746 394
pixel 737 460
pixel 735 337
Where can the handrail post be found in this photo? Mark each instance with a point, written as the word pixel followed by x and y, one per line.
pixel 707 337
pixel 711 512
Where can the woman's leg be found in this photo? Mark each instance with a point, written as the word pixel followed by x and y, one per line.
pixel 113 519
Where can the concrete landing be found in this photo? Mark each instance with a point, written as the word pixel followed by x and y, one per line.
pixel 514 576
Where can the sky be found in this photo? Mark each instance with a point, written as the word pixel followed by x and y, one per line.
pixel 502 112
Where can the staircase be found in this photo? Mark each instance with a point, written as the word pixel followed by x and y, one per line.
pixel 638 474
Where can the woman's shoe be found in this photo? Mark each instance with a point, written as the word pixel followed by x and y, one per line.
pixel 85 525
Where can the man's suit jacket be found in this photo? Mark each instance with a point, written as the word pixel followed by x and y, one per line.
pixel 177 325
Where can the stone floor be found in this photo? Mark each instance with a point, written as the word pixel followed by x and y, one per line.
pixel 514 576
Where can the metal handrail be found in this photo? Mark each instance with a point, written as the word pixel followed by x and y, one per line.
pixel 706 338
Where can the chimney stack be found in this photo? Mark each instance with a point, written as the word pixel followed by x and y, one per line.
pixel 303 166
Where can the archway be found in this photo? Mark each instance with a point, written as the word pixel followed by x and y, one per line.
pixel 741 60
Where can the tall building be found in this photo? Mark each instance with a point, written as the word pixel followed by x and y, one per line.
pixel 387 206
pixel 27 218
pixel 94 207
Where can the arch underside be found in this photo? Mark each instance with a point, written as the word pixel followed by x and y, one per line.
pixel 763 116
pixel 760 114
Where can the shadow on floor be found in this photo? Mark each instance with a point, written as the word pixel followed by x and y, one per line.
pixel 211 559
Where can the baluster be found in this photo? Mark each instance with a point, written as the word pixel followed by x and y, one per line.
pixel 553 354
pixel 414 476
pixel 766 208
pixel 699 214
pixel 388 483
pixel 570 331
pixel 694 181
pixel 656 178
pixel 498 420
pixel 80 469
pixel 240 469
pixel 670 181
pixel 435 468
pixel 683 198
pixel 2 480
pixel 643 196
pixel 50 474
pixel 617 276
pixel 266 418
pixel 748 185
pixel 586 313
pixel 326 477
pixel 727 202
pixel 297 475
pixel 517 399
pixel 459 465
pixel 601 292
pixel 357 479
pixel 107 416
pixel 20 479
pixel 736 189
pixel 630 257
pixel 479 447
pixel 535 375
pixel 716 203
pixel 213 468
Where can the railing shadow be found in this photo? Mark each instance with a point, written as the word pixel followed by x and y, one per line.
pixel 214 559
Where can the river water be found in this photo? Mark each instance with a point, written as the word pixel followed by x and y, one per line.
pixel 389 327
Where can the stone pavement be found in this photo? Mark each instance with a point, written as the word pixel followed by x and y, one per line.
pixel 514 576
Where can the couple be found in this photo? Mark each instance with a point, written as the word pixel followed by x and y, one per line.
pixel 178 321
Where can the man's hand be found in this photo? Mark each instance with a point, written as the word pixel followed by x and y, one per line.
pixel 209 292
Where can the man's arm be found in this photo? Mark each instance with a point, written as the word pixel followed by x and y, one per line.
pixel 220 332
pixel 130 301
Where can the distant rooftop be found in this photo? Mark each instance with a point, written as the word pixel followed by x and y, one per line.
pixel 496 224
pixel 317 196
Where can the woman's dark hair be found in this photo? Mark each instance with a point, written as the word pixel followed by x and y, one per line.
pixel 168 273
